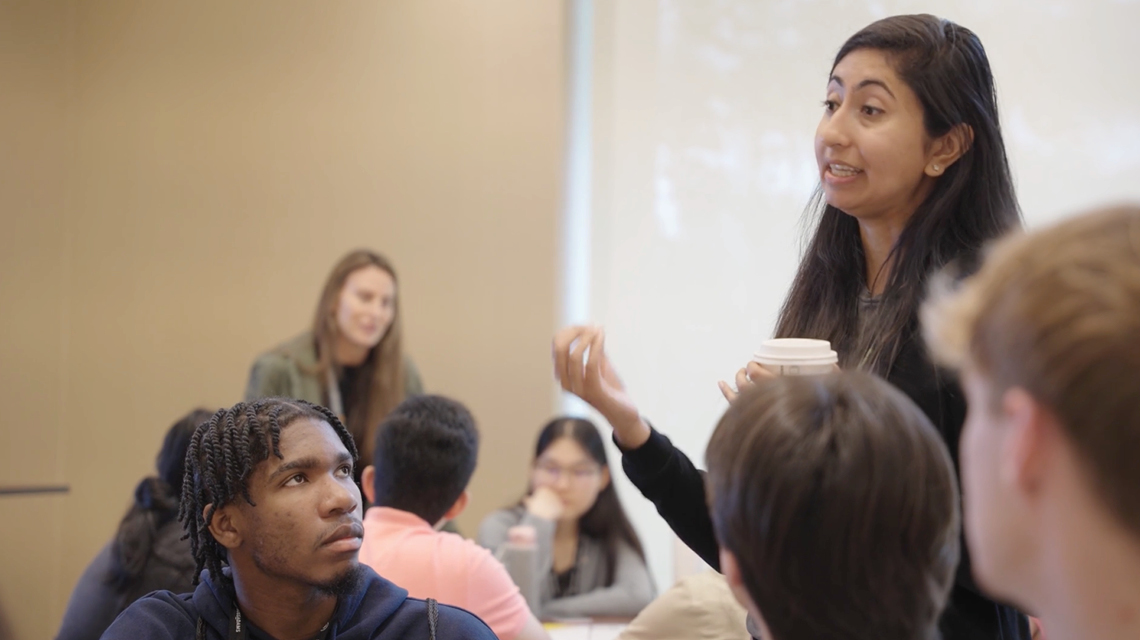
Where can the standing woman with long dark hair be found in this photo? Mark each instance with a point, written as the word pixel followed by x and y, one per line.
pixel 914 177
pixel 352 359
pixel 590 560
pixel 148 552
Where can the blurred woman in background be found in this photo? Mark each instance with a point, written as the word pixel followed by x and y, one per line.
pixel 590 560
pixel 352 359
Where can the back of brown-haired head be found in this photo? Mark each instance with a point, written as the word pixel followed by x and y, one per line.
pixel 838 500
pixel 1057 313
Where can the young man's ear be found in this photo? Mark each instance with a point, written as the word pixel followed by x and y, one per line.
pixel 368 483
pixel 225 525
pixel 1030 426
pixel 731 571
pixel 732 574
pixel 457 508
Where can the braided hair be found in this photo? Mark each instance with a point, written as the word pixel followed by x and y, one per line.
pixel 224 452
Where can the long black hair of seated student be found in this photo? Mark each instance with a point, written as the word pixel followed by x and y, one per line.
pixel 971 204
pixel 606 520
pixel 155 504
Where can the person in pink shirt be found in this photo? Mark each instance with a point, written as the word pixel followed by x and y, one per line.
pixel 423 458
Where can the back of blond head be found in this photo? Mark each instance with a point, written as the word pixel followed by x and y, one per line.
pixel 1057 313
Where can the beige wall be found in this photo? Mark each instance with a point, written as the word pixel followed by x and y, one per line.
pixel 37 138
pixel 177 181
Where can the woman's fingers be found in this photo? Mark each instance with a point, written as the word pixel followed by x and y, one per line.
pixel 580 363
pixel 564 341
pixel 745 378
pixel 742 381
pixel 756 372
pixel 583 369
pixel 596 361
pixel 726 389
pixel 575 367
pixel 558 352
pixel 606 368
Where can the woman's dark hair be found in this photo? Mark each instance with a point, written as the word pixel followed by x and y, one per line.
pixel 156 504
pixel 839 501
pixel 972 203
pixel 606 520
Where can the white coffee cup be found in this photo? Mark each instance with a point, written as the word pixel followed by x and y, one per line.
pixel 796 356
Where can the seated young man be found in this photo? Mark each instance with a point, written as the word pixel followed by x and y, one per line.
pixel 423 458
pixel 836 507
pixel 273 514
pixel 1047 335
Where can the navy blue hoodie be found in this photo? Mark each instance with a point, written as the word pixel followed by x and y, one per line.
pixel 378 610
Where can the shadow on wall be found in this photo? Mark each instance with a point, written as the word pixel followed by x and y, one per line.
pixel 5 628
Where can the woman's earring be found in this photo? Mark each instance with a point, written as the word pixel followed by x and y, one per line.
pixel 937 169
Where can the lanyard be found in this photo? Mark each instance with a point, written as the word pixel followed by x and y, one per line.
pixel 239 630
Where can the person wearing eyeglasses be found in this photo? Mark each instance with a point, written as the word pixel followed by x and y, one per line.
pixel 590 559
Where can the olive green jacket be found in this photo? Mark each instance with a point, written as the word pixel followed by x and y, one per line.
pixel 285 371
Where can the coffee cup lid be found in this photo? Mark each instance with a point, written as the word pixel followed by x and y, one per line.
pixel 796 350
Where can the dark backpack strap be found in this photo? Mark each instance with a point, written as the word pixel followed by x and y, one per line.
pixel 433 617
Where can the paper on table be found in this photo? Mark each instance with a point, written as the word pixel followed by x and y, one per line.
pixel 606 631
pixel 584 631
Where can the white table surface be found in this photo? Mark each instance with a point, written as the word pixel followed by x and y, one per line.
pixel 584 631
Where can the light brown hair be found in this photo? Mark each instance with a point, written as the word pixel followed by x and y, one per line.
pixel 1057 313
pixel 838 499
pixel 380 386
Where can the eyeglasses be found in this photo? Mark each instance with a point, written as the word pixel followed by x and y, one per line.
pixel 577 475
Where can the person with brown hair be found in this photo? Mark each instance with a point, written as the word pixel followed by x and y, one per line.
pixel 1047 337
pixel 352 359
pixel 835 503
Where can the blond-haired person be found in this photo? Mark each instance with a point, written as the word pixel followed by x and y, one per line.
pixel 1047 337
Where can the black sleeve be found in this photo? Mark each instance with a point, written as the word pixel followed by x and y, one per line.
pixel 669 480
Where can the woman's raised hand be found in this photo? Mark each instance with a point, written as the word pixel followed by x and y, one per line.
pixel 582 368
